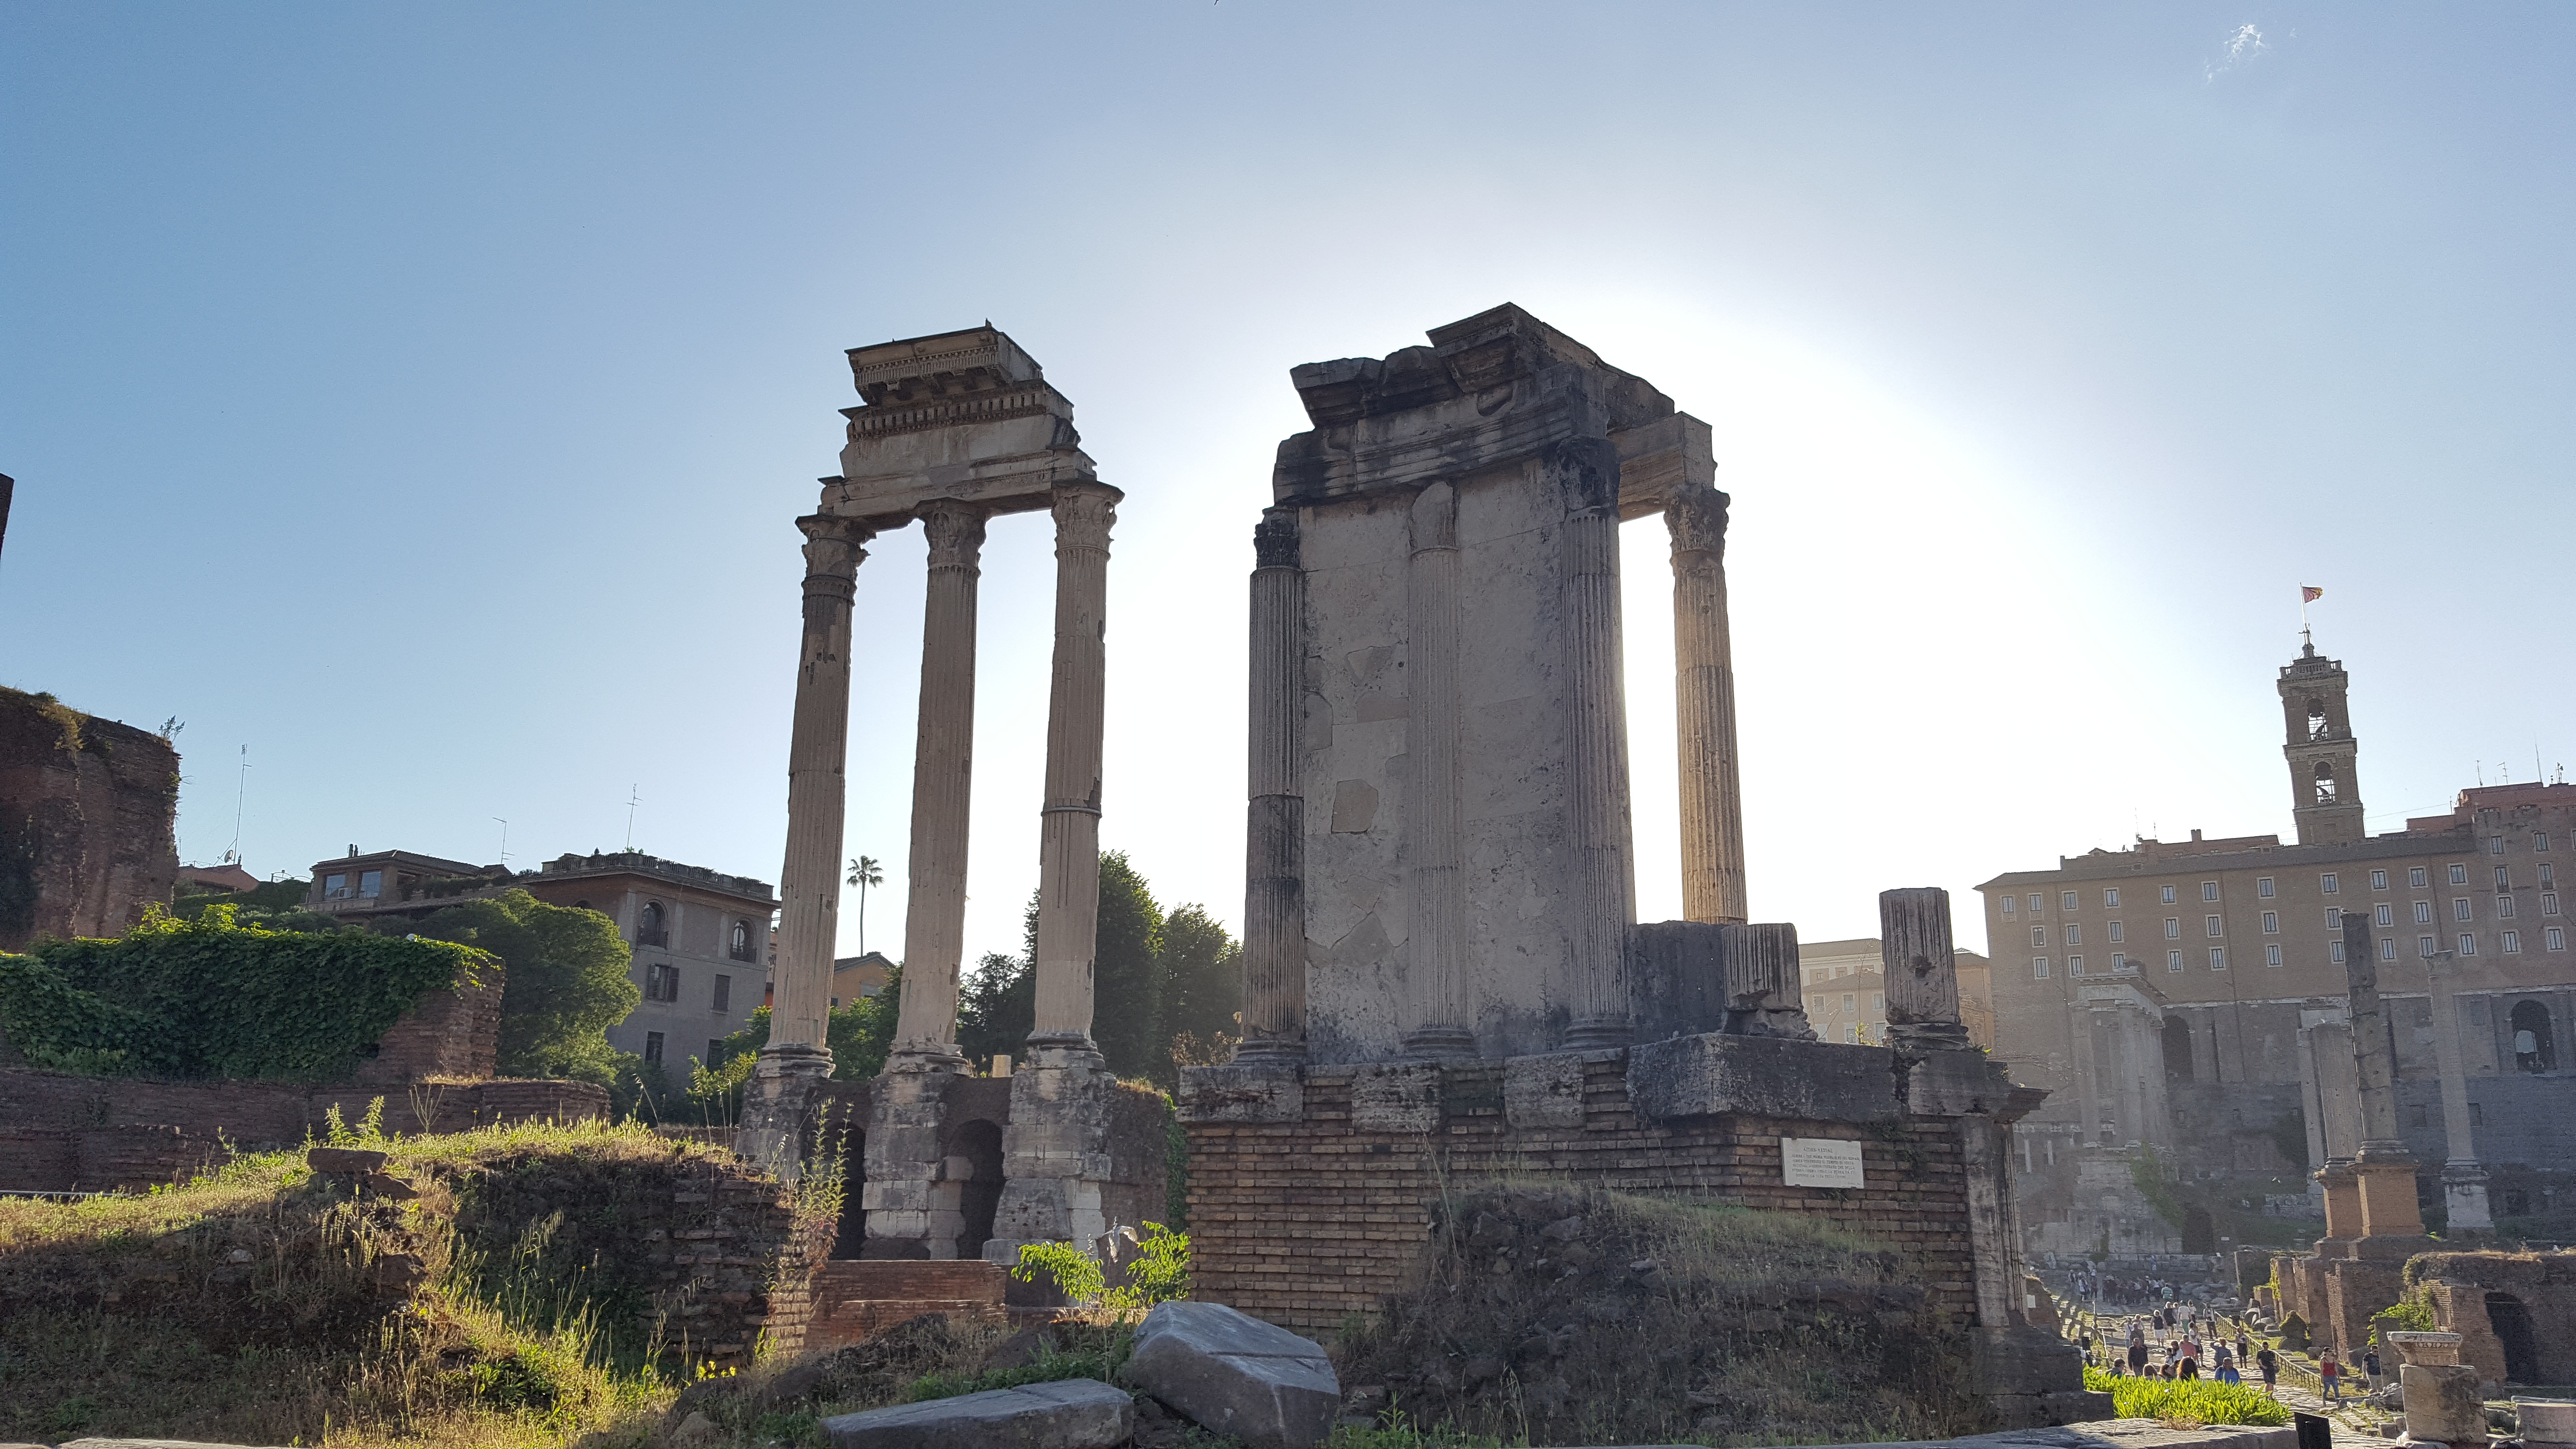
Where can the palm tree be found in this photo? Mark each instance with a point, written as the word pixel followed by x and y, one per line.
pixel 863 874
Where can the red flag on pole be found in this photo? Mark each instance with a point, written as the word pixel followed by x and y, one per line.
pixel 2309 594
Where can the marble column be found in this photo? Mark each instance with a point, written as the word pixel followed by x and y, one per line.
pixel 1441 1024
pixel 1274 894
pixel 2385 1167
pixel 1921 970
pixel 934 930
pixel 1069 830
pixel 810 876
pixel 1601 886
pixel 1712 805
pixel 2464 1182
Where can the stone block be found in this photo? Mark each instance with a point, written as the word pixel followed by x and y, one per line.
pixel 2545 1421
pixel 2006 1361
pixel 1066 1414
pixel 344 1159
pixel 1231 1373
pixel 1396 1097
pixel 2050 1410
pixel 1543 1091
pixel 1807 1081
pixel 1242 1092
pixel 2444 1402
pixel 1953 1084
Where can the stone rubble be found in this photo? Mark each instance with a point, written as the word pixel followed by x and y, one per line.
pixel 1233 1374
pixel 1065 1414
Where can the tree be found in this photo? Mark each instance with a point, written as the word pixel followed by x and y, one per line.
pixel 1126 972
pixel 998 1007
pixel 860 1035
pixel 1202 971
pixel 567 981
pixel 863 874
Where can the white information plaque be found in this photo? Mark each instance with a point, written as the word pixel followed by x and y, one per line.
pixel 1820 1162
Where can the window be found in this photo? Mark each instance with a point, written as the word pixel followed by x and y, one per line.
pixel 2119 963
pixel 2555 938
pixel 371 884
pixel 2334 918
pixel 2549 903
pixel 1878 1002
pixel 2271 923
pixel 2379 880
pixel 1847 1003
pixel 2209 890
pixel 2173 960
pixel 2066 900
pixel 2512 943
pixel 2074 965
pixel 2039 935
pixel 2217 958
pixel 335 887
pixel 2415 877
pixel 2424 945
pixel 649 929
pixel 714 1045
pixel 2263 887
pixel 2115 933
pixel 2504 908
pixel 1851 1035
pixel 724 994
pixel 2540 841
pixel 652 1046
pixel 2423 913
pixel 2211 926
pixel 2460 908
pixel 2385 915
pixel 740 947
pixel 2011 903
pixel 2504 878
pixel 2074 933
pixel 2495 845
pixel 661 982
pixel 2111 898
pixel 2388 948
pixel 2272 954
pixel 2548 877
pixel 2034 903
pixel 2459 873
pixel 2334 953
pixel 2173 928
pixel 2039 968
pixel 2326 883
pixel 2168 895
pixel 2468 944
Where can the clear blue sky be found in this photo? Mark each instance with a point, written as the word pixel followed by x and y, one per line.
pixel 422 395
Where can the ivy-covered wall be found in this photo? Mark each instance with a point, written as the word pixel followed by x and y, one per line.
pixel 208 999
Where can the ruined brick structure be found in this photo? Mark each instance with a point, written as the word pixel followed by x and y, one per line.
pixel 86 821
pixel 2515 1312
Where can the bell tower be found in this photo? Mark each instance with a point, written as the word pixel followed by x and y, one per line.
pixel 2325 791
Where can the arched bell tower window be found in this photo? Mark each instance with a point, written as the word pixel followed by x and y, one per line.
pixel 649 930
pixel 2327 794
pixel 2317 725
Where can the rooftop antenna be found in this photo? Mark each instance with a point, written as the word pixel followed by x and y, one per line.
pixel 505 840
pixel 634 797
pixel 241 792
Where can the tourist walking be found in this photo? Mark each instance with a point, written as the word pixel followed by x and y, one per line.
pixel 2330 1377
pixel 2226 1366
pixel 2370 1369
pixel 2270 1363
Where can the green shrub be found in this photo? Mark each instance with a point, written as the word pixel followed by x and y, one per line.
pixel 2408 1316
pixel 2206 1400
pixel 1160 1273
pixel 210 998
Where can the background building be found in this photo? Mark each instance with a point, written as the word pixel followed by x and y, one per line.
pixel 1846 991
pixel 2190 997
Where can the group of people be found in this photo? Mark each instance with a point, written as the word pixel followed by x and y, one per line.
pixel 2185 1355
pixel 2100 1287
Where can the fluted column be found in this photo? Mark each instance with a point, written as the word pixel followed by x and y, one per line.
pixel 1442 1023
pixel 2464 1182
pixel 934 928
pixel 1920 968
pixel 1596 740
pixel 809 880
pixel 1704 697
pixel 1274 878
pixel 1069 833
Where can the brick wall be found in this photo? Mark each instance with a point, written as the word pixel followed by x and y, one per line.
pixel 854 1300
pixel 453 1034
pixel 86 812
pixel 1305 1222
pixel 66 1133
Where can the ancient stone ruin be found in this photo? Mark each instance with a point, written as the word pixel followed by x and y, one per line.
pixel 954 430
pixel 1444 974
pixel 86 821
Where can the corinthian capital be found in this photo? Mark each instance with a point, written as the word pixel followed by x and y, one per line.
pixel 1696 519
pixel 956 534
pixel 834 547
pixel 1274 539
pixel 1084 513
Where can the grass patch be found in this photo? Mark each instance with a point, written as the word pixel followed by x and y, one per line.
pixel 2199 1401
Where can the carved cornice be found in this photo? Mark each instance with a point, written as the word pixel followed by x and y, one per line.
pixel 956 534
pixel 1587 470
pixel 1274 539
pixel 1696 519
pixel 1084 514
pixel 885 420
